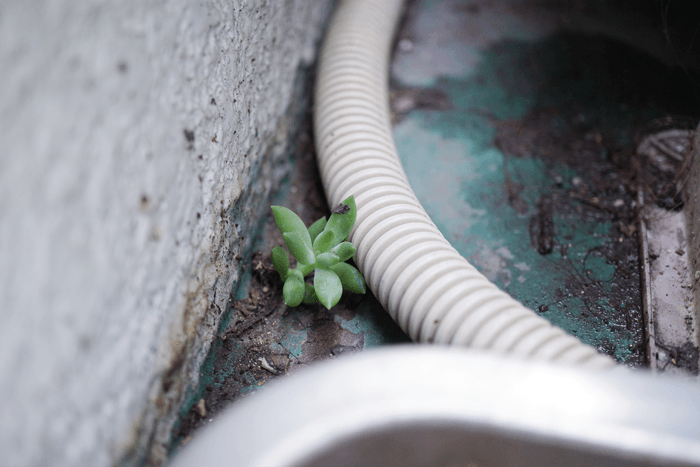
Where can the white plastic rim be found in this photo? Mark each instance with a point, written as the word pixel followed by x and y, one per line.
pixel 474 407
pixel 427 287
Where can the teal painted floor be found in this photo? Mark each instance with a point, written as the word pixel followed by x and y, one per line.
pixel 518 141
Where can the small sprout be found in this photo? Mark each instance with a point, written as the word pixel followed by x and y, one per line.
pixel 322 249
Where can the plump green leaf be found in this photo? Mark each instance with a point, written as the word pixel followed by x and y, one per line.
pixel 350 277
pixel 281 261
pixel 294 290
pixel 344 250
pixel 298 248
pixel 288 222
pixel 316 228
pixel 328 287
pixel 342 219
pixel 324 241
pixel 310 294
pixel 327 260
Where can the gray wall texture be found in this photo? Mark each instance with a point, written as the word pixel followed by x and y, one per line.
pixel 139 143
pixel 692 200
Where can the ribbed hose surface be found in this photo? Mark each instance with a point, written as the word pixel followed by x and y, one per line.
pixel 433 293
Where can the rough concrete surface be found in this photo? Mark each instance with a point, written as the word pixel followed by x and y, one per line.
pixel 693 221
pixel 140 142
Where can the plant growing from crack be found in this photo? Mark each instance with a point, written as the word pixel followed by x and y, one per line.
pixel 322 249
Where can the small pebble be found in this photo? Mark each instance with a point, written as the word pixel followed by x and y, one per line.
pixel 201 408
pixel 267 366
pixel 404 104
pixel 576 181
pixel 618 203
pixel 543 308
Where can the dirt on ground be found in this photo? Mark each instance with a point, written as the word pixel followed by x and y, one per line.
pixel 264 339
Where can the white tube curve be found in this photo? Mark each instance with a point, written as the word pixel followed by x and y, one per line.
pixel 427 287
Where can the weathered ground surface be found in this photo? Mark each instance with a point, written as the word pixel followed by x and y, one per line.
pixel 517 124
pixel 517 128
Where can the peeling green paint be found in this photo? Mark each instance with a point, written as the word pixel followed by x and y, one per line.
pixel 378 328
pixel 461 185
pixel 293 333
pixel 467 183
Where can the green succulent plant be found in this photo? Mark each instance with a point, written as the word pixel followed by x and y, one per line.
pixel 322 249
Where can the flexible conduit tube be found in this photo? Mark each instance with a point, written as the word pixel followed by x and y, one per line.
pixel 429 289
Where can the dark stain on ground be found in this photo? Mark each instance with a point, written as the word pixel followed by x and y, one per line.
pixel 542 226
pixel 327 338
pixel 595 95
pixel 404 99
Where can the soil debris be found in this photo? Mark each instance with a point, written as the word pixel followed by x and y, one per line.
pixel 545 221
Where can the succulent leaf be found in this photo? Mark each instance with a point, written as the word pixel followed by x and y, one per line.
pixel 328 287
pixel 322 248
pixel 281 261
pixel 344 250
pixel 316 228
pixel 298 248
pixel 324 241
pixel 288 222
pixel 310 294
pixel 327 260
pixel 294 290
pixel 342 219
pixel 350 278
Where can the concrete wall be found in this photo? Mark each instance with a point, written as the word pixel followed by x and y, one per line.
pixel 692 209
pixel 139 142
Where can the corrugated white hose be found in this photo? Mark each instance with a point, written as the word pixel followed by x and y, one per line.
pixel 429 289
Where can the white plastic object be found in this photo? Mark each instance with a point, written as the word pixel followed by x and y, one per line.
pixel 429 289
pixel 418 406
